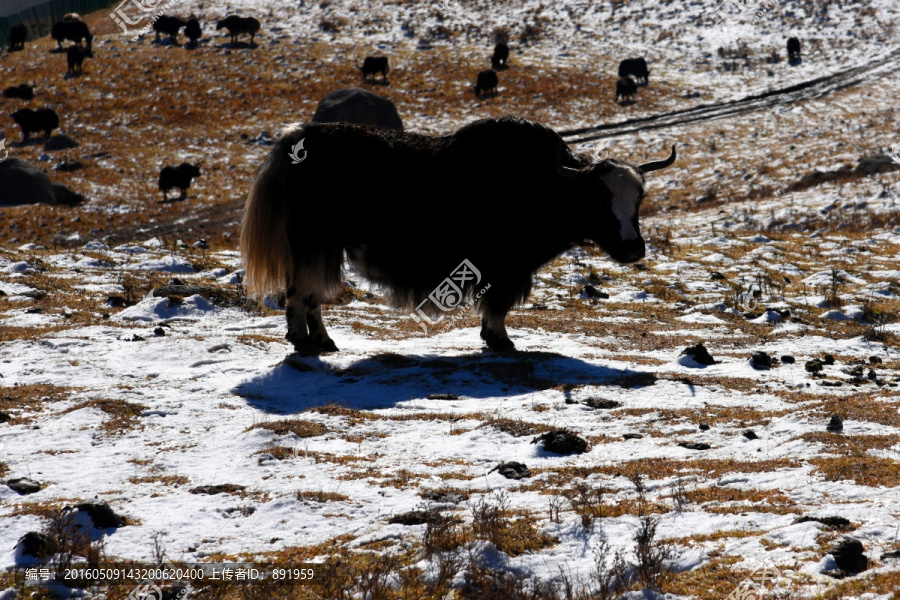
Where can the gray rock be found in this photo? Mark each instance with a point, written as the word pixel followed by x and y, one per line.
pixel 101 514
pixel 24 183
pixel 877 163
pixel 60 142
pixel 848 554
pixel 23 485
pixel 356 105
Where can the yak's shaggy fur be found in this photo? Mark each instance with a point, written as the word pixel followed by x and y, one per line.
pixel 469 196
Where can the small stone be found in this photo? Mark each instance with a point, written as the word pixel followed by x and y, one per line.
pixel 835 424
pixel 23 485
pixel 751 435
pixel 788 359
pixel 512 470
pixel 694 445
pixel 601 403
pixel 592 292
pixel 700 354
pixel 159 332
pixel 415 517
pixel 813 366
pixel 830 522
pixel 101 514
pixel 704 426
pixel 442 397
pixel 716 276
pixel 828 359
pixel 874 360
pixel 871 375
pixel 562 441
pixel 443 496
pixel 222 488
pixel 4 417
pixel 760 360
pixel 36 544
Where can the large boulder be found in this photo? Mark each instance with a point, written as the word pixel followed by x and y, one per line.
pixel 24 183
pixel 356 105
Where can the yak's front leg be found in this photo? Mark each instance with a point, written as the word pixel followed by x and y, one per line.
pixel 317 332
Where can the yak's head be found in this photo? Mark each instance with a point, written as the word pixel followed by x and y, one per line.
pixel 621 192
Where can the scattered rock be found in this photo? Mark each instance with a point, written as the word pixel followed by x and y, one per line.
pixel 695 445
pixel 69 165
pixel 890 555
pixel 562 441
pixel 716 276
pixel 23 485
pixel 356 105
pixel 848 554
pixel 592 292
pixel 788 359
pixel 60 142
pixel 813 366
pixel 415 517
pixel 23 183
pixel 874 360
pixel 4 417
pixel 183 290
pixel 835 424
pixel 700 354
pixel 222 488
pixel 704 426
pixel 442 397
pixel 751 435
pixel 828 359
pixel 760 360
pixel 512 470
pixel 632 436
pixel 831 522
pixel 36 544
pixel 871 375
pixel 443 496
pixel 159 332
pixel 601 403
pixel 876 163
pixel 101 514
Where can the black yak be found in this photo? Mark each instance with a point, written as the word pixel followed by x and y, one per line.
pixel 500 57
pixel 635 67
pixel 17 35
pixel 293 241
pixel 73 30
pixel 43 119
pixel 75 55
pixel 375 64
pixel 23 91
pixel 625 88
pixel 180 177
pixel 169 26
pixel 487 81
pixel 793 49
pixel 238 26
pixel 192 30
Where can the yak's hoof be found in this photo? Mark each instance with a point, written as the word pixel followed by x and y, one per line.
pixel 328 346
pixel 495 342
pixel 304 347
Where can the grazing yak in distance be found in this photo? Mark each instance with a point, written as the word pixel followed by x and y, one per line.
pixel 192 30
pixel 295 241
pixel 500 57
pixel 375 64
pixel 74 30
pixel 43 119
pixel 75 56
pixel 169 26
pixel 793 49
pixel 625 88
pixel 180 177
pixel 17 35
pixel 635 67
pixel 239 26
pixel 487 81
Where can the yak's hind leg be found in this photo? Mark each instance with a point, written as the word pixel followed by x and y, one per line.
pixel 317 332
pixel 493 332
pixel 296 311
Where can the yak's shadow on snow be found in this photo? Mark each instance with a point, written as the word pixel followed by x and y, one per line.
pixel 384 380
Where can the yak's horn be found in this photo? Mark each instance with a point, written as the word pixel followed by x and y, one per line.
pixel 659 164
pixel 563 170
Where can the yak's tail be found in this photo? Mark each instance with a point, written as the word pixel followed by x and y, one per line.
pixel 265 250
